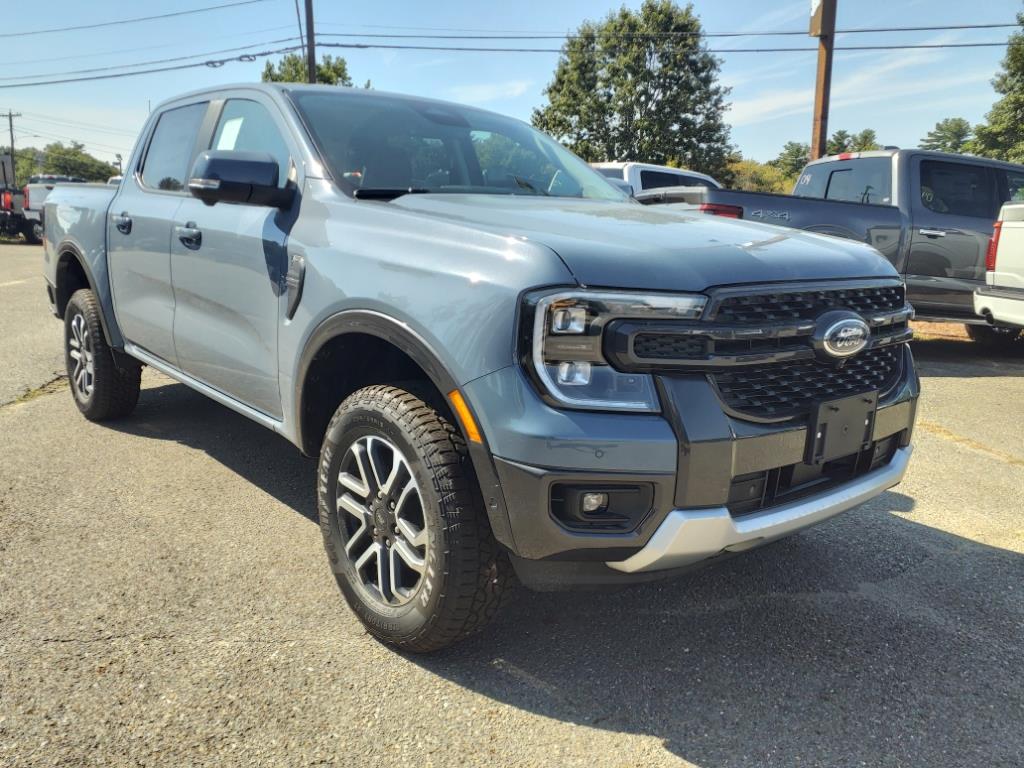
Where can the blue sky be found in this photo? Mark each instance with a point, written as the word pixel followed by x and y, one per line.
pixel 901 94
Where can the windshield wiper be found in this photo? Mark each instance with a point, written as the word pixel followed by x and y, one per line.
pixel 387 193
pixel 524 184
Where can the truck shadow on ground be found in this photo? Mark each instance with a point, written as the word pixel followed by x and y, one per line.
pixel 870 640
pixel 962 358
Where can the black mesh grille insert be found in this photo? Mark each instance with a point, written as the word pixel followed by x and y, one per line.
pixel 789 388
pixel 806 305
pixel 668 346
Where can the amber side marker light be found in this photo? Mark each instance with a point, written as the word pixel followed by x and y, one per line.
pixel 465 417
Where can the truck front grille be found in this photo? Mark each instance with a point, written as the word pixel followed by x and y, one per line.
pixel 748 309
pixel 789 388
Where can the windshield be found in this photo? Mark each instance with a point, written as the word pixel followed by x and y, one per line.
pixel 376 142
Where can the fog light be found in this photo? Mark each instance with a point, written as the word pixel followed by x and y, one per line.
pixel 593 502
pixel 574 374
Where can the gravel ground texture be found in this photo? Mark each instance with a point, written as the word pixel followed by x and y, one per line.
pixel 165 601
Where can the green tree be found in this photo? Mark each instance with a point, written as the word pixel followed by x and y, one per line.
pixel 840 141
pixel 865 141
pixel 949 135
pixel 73 160
pixel 1002 133
pixel 759 177
pixel 640 85
pixel 292 69
pixel 793 157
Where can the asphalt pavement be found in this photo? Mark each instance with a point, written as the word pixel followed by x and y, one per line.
pixel 165 600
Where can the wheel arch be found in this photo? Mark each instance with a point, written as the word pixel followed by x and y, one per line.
pixel 412 355
pixel 72 272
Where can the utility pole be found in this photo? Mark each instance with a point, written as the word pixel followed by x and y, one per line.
pixel 310 44
pixel 14 165
pixel 823 26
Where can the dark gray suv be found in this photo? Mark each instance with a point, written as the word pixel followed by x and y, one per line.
pixel 502 361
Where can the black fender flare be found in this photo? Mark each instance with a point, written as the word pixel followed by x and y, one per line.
pixel 68 250
pixel 403 337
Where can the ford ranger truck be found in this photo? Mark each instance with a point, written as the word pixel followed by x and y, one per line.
pixel 505 365
pixel 929 213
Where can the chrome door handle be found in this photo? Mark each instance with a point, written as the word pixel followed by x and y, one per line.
pixel 123 222
pixel 190 236
pixel 932 232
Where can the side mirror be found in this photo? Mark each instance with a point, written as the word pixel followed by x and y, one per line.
pixel 228 176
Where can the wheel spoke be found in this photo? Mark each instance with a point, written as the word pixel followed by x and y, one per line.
pixel 409 555
pixel 408 493
pixel 384 576
pixel 417 537
pixel 354 508
pixel 371 551
pixel 373 446
pixel 355 537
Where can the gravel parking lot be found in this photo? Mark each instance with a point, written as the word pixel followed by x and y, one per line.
pixel 165 600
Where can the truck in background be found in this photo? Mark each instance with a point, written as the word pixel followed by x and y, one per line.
pixel 929 213
pixel 644 176
pixel 1001 299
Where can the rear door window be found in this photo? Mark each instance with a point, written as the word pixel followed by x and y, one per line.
pixel 958 189
pixel 170 150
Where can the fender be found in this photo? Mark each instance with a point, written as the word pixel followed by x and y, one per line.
pixel 111 330
pixel 419 350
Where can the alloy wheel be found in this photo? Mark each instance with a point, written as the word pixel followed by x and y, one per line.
pixel 380 510
pixel 83 376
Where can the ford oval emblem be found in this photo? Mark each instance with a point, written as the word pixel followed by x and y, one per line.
pixel 845 337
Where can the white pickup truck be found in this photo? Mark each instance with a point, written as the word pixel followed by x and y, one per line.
pixel 1001 299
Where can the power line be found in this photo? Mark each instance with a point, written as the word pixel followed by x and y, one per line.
pixel 119 22
pixel 66 124
pixel 298 20
pixel 483 49
pixel 213 63
pixel 496 34
pixel 147 63
pixel 119 51
pixel 76 123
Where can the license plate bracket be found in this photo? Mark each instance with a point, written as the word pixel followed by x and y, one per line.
pixel 840 427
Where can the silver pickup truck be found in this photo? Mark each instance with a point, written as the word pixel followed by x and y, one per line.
pixel 500 359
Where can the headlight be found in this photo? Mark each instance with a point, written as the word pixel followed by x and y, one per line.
pixel 565 335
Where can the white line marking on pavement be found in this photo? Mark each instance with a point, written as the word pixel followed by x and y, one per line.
pixel 12 282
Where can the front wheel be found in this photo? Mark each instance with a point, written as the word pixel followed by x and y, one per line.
pixel 102 388
pixel 403 524
pixel 993 337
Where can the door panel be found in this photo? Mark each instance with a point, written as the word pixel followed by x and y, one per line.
pixel 229 263
pixel 140 268
pixel 229 296
pixel 953 207
pixel 139 232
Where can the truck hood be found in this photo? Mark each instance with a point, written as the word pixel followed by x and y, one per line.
pixel 623 245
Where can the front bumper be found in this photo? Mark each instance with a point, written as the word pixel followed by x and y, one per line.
pixel 693 457
pixel 688 536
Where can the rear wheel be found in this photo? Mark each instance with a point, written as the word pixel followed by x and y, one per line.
pixel 994 337
pixel 103 387
pixel 403 524
pixel 33 232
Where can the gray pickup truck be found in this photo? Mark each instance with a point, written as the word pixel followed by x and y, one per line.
pixel 929 213
pixel 500 359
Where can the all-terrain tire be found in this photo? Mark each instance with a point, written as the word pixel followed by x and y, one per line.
pixel 994 338
pixel 464 571
pixel 102 385
pixel 33 232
